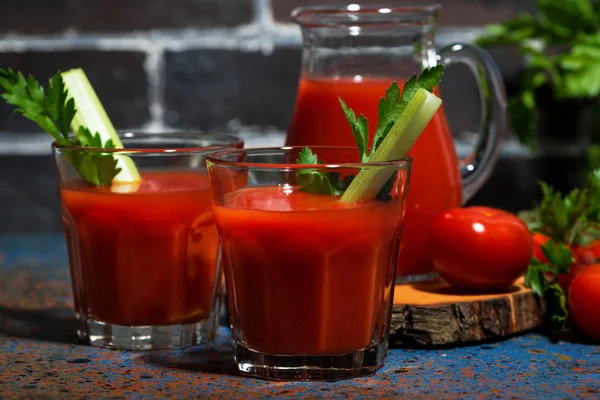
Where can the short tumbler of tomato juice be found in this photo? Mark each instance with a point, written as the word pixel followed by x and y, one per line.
pixel 144 257
pixel 309 277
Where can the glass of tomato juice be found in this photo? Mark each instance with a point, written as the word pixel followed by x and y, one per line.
pixel 144 257
pixel 309 278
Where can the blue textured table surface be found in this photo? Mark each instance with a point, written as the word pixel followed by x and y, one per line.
pixel 40 356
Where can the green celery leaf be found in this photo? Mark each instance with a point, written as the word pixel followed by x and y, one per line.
pixel 61 110
pixel 388 113
pixel 107 169
pixel 576 202
pixel 316 182
pixel 360 130
pixel 306 156
pixel 97 167
pixel 581 68
pixel 557 312
pixel 88 139
pixel 35 90
pixel 511 32
pixel 535 278
pixel 559 256
pixel 408 91
pixel 538 62
pixel 567 17
pixel 24 94
pixel 559 216
pixel 312 180
pixel 94 167
pixel 431 77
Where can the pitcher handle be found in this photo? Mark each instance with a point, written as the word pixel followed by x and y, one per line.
pixel 477 167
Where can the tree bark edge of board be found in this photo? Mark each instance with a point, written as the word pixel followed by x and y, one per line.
pixel 456 322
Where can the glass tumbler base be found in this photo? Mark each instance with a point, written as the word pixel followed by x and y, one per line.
pixel 331 367
pixel 100 334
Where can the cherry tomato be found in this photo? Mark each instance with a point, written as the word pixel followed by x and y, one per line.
pixel 480 248
pixel 584 297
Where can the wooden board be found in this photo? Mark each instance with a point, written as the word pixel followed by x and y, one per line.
pixel 431 313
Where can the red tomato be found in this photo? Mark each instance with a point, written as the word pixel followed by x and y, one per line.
pixel 480 248
pixel 584 297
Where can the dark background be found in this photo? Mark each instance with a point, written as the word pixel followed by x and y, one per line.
pixel 224 65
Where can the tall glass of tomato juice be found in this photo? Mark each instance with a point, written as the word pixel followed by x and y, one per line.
pixel 144 256
pixel 309 277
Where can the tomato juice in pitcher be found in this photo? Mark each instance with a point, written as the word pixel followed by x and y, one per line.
pixel 356 53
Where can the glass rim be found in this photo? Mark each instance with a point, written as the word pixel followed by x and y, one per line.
pixel 303 15
pixel 182 135
pixel 215 159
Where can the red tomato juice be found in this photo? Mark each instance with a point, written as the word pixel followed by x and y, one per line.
pixel 305 273
pixel 146 257
pixel 435 183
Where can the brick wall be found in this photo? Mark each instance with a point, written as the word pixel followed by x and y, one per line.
pixel 226 65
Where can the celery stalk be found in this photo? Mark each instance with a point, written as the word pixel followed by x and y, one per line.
pixel 396 145
pixel 91 114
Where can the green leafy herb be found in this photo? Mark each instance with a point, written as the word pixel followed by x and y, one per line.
pixel 561 45
pixel 60 109
pixel 556 300
pixel 29 99
pixel 511 32
pixel 312 180
pixel 94 167
pixel 569 221
pixel 429 79
pixel 559 256
pixel 560 216
pixel 360 130
pixel 390 111
pixel 53 112
pixel 541 278
pixel 535 276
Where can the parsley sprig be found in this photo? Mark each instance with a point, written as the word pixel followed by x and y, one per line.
pixel 315 181
pixel 568 221
pixel 391 109
pixel 53 111
pixel 561 44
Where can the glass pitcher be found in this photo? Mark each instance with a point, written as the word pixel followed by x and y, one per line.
pixel 356 52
